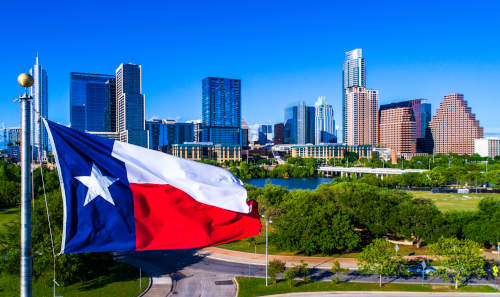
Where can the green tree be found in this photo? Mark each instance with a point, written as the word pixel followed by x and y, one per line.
pixel 484 228
pixel 419 219
pixel 369 206
pixel 313 223
pixel 275 266
pixel 378 258
pixel 337 272
pixel 351 157
pixel 303 271
pixel 460 259
pixel 289 275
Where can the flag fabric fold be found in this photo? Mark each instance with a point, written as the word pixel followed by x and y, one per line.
pixel 122 197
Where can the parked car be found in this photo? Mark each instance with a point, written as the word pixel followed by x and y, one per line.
pixel 417 269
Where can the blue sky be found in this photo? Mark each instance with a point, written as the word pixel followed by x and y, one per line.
pixel 283 51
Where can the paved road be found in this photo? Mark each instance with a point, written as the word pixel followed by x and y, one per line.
pixel 377 294
pixel 196 275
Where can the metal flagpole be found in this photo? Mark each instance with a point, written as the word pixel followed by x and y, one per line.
pixel 26 81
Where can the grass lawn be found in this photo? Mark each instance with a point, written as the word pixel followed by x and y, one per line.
pixel 249 287
pixel 8 215
pixel 454 201
pixel 103 286
pixel 115 284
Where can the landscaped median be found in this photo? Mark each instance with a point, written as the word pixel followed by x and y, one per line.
pixel 251 287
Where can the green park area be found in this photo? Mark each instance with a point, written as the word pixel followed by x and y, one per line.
pixel 454 201
pixel 115 284
pixel 250 287
pixel 8 215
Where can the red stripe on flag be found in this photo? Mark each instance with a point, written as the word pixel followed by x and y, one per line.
pixel 169 218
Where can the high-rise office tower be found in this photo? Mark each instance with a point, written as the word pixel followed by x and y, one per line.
pixel 245 133
pixel 279 133
pixel 265 134
pixel 130 107
pixel 197 130
pixel 299 124
pixel 39 92
pixel 425 119
pixel 14 136
pixel 398 126
pixel 164 133
pixel 353 76
pixel 324 122
pixel 425 143
pixel 290 122
pixel 221 110
pixel 454 127
pixel 110 110
pixel 91 102
pixel 361 118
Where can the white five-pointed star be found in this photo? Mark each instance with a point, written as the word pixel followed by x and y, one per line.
pixel 98 185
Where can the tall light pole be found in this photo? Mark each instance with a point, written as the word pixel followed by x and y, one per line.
pixel 267 257
pixel 26 81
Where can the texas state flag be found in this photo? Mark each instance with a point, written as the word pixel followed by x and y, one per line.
pixel 122 197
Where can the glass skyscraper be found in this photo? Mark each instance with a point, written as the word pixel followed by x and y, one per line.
pixel 290 135
pixel 39 92
pixel 426 117
pixel 265 134
pixel 130 107
pixel 324 122
pixel 299 124
pixel 221 110
pixel 92 102
pixel 163 133
pixel 353 76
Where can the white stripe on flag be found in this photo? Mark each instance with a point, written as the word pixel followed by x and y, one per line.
pixel 205 183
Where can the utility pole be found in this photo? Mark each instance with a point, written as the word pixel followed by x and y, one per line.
pixel 267 256
pixel 26 81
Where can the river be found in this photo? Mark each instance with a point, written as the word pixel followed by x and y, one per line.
pixel 290 183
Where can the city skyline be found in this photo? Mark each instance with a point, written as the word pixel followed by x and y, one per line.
pixel 404 66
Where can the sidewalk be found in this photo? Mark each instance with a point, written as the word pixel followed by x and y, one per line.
pixel 260 259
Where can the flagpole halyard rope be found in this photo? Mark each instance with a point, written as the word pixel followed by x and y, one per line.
pixel 50 228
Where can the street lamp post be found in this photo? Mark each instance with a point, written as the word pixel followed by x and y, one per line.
pixel 26 81
pixel 267 256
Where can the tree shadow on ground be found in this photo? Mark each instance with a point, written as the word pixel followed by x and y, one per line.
pixel 158 263
pixel 152 263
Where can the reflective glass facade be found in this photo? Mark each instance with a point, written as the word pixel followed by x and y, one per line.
pixel 221 110
pixel 265 134
pixel 324 122
pixel 426 117
pixel 130 105
pixel 299 124
pixel 91 100
pixel 164 133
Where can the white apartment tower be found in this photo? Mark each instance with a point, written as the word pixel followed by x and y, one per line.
pixel 353 76
pixel 39 92
pixel 324 126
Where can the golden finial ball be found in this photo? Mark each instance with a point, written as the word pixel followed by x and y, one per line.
pixel 25 80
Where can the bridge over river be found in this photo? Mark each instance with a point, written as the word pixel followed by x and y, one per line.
pixel 380 172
